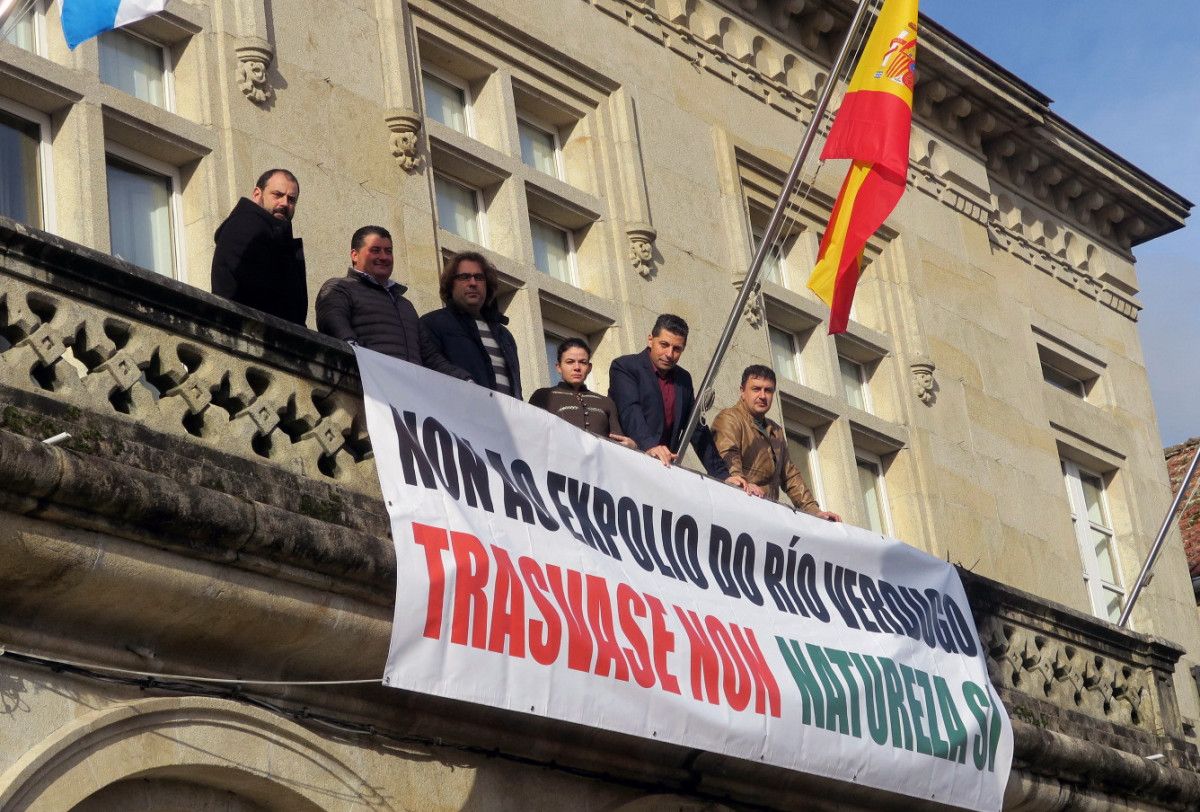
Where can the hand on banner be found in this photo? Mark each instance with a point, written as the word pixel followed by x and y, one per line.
pixel 623 440
pixel 745 485
pixel 828 515
pixel 662 454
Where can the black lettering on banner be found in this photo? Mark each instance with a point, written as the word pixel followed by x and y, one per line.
pixel 835 588
pixel 773 565
pixel 743 568
pixel 875 603
pixel 476 484
pixel 630 528
pixel 516 504
pixel 964 635
pixel 720 560
pixel 805 580
pixel 605 512
pixel 523 476
pixel 908 621
pixel 687 549
pixel 439 448
pixel 413 461
pixel 556 485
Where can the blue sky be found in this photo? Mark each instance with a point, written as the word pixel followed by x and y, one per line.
pixel 1127 74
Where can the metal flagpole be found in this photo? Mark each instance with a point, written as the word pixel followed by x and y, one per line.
pixel 774 226
pixel 1144 576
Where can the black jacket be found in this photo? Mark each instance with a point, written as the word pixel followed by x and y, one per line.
pixel 633 386
pixel 457 336
pixel 357 308
pixel 258 263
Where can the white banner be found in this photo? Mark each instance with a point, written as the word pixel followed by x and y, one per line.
pixel 547 571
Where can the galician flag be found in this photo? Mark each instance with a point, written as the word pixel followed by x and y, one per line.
pixel 872 128
pixel 84 19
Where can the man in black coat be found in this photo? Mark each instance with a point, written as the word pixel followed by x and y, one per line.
pixel 257 262
pixel 367 307
pixel 470 330
pixel 654 397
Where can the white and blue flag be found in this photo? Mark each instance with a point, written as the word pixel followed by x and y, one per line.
pixel 84 19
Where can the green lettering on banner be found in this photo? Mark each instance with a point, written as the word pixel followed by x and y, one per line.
pixel 940 748
pixel 956 732
pixel 897 714
pixel 813 705
pixel 842 660
pixel 872 682
pixel 836 712
pixel 978 704
pixel 918 712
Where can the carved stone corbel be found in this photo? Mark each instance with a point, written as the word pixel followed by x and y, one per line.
pixel 923 383
pixel 405 126
pixel 641 248
pixel 254 57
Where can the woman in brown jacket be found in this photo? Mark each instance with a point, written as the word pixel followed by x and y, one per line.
pixel 574 402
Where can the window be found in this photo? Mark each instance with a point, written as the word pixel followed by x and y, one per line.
pixel 802 449
pixel 136 65
pixel 774 268
pixel 24 28
pixel 447 101
pixel 553 250
pixel 539 148
pixel 874 496
pixel 854 383
pixel 142 214
pixel 785 353
pixel 458 209
pixel 1093 531
pixel 1062 373
pixel 552 342
pixel 21 182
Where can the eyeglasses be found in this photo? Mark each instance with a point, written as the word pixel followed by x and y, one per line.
pixel 469 277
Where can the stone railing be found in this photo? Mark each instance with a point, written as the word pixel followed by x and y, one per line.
pixel 109 338
pixel 223 435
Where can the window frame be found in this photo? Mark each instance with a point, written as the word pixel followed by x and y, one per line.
pixel 876 462
pixel 797 361
pixel 793 429
pixel 454 81
pixel 537 124
pixel 863 383
pixel 39 29
pixel 168 68
pixel 45 161
pixel 1081 523
pixel 480 210
pixel 572 256
pixel 174 208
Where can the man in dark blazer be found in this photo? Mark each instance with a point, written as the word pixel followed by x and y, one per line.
pixel 654 397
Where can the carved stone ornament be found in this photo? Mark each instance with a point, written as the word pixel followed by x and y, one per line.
pixel 923 383
pixel 641 248
pixel 754 311
pixel 405 126
pixel 253 61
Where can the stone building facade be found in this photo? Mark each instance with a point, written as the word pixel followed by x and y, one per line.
pixel 216 511
pixel 1178 459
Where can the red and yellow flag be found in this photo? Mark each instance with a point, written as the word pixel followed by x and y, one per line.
pixel 872 128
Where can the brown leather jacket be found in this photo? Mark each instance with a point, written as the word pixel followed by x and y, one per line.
pixel 756 454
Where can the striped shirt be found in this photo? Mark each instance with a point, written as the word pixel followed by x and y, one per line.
pixel 499 366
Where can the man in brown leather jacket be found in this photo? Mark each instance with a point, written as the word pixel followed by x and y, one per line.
pixel 755 447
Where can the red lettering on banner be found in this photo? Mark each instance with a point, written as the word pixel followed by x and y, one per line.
pixel 664 644
pixel 470 581
pixel 433 539
pixel 726 662
pixel 545 637
pixel 630 606
pixel 600 617
pixel 508 608
pixel 706 671
pixel 766 688
pixel 570 601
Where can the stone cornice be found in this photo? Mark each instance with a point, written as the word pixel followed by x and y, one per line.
pixel 777 51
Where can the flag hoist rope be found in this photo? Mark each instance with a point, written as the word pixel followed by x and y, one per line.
pixel 1144 576
pixel 771 233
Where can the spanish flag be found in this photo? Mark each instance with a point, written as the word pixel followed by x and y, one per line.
pixel 872 128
